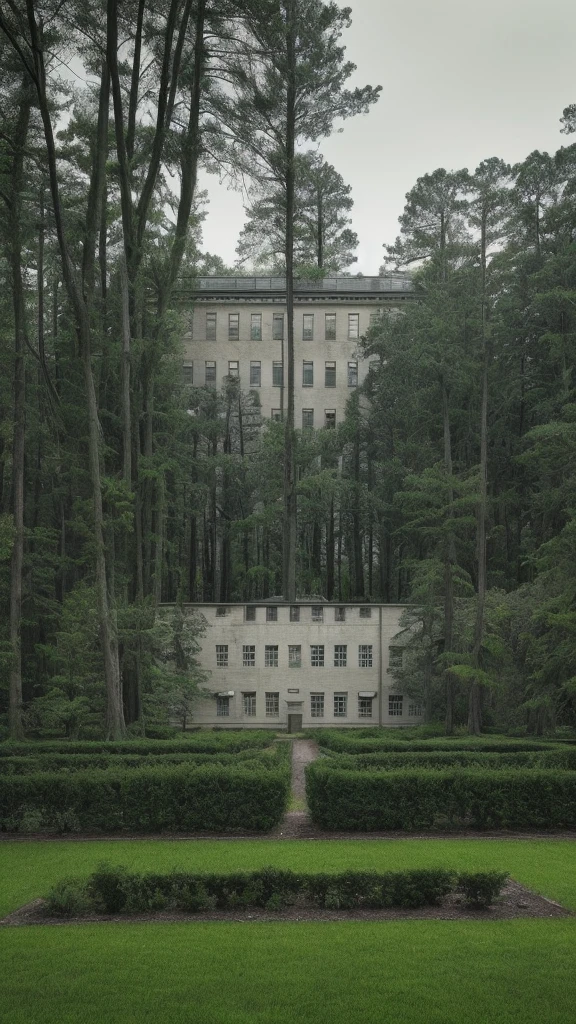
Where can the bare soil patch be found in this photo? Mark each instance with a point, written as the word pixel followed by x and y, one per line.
pixel 515 901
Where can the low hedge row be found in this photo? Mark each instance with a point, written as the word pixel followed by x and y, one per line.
pixel 561 758
pixel 117 891
pixel 83 762
pixel 198 742
pixel 215 798
pixel 352 742
pixel 413 799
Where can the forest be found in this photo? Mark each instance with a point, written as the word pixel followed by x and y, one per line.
pixel 450 485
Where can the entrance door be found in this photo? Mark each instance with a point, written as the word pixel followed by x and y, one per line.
pixel 294 723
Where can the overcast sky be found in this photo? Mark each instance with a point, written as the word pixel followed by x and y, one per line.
pixel 462 81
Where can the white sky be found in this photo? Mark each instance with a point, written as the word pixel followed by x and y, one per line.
pixel 463 80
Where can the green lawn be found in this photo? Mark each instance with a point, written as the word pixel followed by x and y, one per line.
pixel 422 972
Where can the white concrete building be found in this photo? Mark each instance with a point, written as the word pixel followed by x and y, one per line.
pixel 237 328
pixel 302 666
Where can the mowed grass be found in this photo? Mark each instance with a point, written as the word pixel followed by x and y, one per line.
pixel 400 972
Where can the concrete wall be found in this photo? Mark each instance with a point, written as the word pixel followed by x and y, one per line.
pixel 232 630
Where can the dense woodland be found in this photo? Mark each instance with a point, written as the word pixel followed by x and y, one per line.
pixel 450 486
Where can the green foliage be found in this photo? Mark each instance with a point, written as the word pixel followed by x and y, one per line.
pixel 412 799
pixel 198 742
pixel 482 888
pixel 348 741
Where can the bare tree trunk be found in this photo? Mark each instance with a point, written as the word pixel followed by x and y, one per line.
pixel 290 504
pixel 449 563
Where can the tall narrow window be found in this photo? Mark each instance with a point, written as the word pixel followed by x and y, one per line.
pixel 210 373
pixel 317 614
pixel 317 655
pixel 294 613
pixel 255 374
pixel 395 704
pixel 233 368
pixel 352 375
pixel 307 374
pixel 329 418
pixel 233 326
pixel 188 372
pixel 250 615
pixel 339 615
pixel 278 327
pixel 340 705
pixel 365 656
pixel 395 657
pixel 249 656
pixel 330 327
pixel 271 656
pixel 364 707
pixel 272 705
pixel 294 656
pixel 353 325
pixel 414 710
pixel 222 655
pixel 277 375
pixel 329 375
pixel 374 318
pixel 256 326
pixel 271 613
pixel 249 704
pixel 340 655
pixel 210 326
pixel 222 707
pixel 307 419
pixel 308 327
pixel 317 705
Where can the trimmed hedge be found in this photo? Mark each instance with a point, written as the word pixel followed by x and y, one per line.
pixel 414 799
pixel 199 742
pixel 83 762
pixel 112 890
pixel 350 742
pixel 562 758
pixel 213 798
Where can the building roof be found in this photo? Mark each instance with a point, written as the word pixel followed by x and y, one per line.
pixel 392 284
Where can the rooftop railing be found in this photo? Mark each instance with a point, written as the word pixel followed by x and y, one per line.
pixel 346 285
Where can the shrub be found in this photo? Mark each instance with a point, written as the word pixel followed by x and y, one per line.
pixel 564 757
pixel 414 799
pixel 198 742
pixel 269 758
pixel 179 798
pixel 365 741
pixel 114 890
pixel 481 889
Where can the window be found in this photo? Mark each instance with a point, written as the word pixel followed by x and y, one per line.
pixel 221 612
pixel 209 372
pixel 277 375
pixel 308 327
pixel 353 325
pixel 222 707
pixel 294 614
pixel 250 615
pixel 210 326
pixel 352 375
pixel 307 419
pixel 395 657
pixel 249 704
pixel 339 615
pixel 188 372
pixel 271 656
pixel 394 704
pixel 414 710
pixel 330 327
pixel 340 655
pixel 278 327
pixel 365 656
pixel 222 655
pixel 365 613
pixel 272 705
pixel 233 368
pixel 317 655
pixel 340 705
pixel 330 419
pixel 294 656
pixel 233 326
pixel 249 656
pixel 307 374
pixel 374 318
pixel 256 326
pixel 276 415
pixel 317 705
pixel 271 614
pixel 329 375
pixel 364 707
pixel 317 614
pixel 255 374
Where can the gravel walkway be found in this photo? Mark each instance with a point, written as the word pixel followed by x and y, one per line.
pixel 303 752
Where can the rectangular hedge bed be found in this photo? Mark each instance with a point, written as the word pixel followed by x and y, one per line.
pixel 411 799
pixel 114 890
pixel 562 758
pixel 199 742
pixel 351 742
pixel 173 798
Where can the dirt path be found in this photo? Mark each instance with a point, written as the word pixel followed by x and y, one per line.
pixel 303 752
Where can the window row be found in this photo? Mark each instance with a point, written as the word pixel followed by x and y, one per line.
pixel 317 705
pixel 329 421
pixel 316 613
pixel 313 326
pixel 208 376
pixel 317 656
